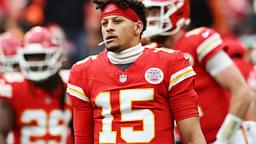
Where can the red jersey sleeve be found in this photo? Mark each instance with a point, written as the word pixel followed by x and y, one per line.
pixel 75 86
pixel 81 106
pixel 82 121
pixel 210 42
pixel 183 98
pixel 202 43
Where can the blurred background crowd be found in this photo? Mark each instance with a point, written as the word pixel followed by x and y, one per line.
pixel 77 21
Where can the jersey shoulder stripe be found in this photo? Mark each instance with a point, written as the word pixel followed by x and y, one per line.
pixel 181 75
pixel 208 45
pixel 76 92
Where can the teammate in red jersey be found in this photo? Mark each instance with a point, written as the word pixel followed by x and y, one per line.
pixel 42 114
pixel 9 46
pixel 220 116
pixel 132 94
pixel 241 58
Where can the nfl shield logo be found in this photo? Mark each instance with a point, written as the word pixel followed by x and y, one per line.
pixel 123 78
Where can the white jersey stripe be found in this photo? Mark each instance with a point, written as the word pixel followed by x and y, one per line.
pixel 218 62
pixel 208 45
pixel 77 92
pixel 6 91
pixel 180 76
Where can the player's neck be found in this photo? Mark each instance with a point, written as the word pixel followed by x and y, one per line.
pixel 49 83
pixel 126 56
pixel 171 41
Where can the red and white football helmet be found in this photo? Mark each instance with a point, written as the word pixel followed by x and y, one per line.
pixel 9 45
pixel 170 17
pixel 41 56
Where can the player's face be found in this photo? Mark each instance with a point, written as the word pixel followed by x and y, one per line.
pixel 35 58
pixel 119 33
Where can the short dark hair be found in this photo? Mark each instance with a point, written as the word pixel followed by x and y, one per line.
pixel 135 5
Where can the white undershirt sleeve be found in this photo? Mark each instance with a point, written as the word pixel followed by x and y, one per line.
pixel 218 62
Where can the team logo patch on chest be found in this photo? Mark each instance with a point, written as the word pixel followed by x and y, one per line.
pixel 154 75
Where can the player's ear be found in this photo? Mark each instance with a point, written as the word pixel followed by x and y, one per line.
pixel 138 28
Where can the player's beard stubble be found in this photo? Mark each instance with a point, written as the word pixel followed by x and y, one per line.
pixel 114 48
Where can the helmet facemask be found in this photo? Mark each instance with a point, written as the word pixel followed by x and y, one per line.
pixel 169 19
pixel 9 64
pixel 41 56
pixel 9 46
pixel 38 63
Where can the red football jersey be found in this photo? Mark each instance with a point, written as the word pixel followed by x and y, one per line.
pixel 38 116
pixel 136 105
pixel 200 45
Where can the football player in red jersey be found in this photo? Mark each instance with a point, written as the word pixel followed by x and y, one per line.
pixel 42 114
pixel 9 46
pixel 241 58
pixel 129 93
pixel 220 115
